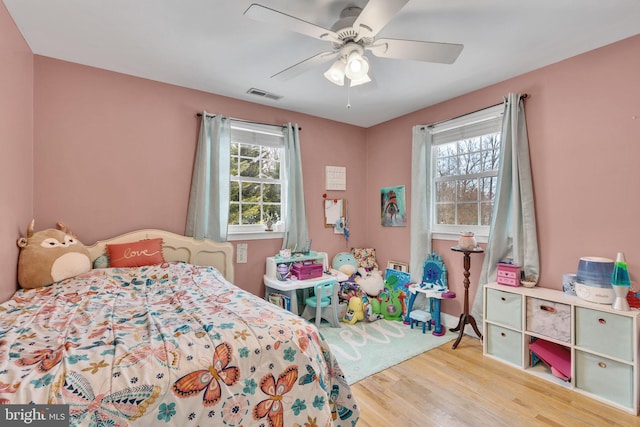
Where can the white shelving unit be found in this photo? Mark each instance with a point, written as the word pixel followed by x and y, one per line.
pixel 603 342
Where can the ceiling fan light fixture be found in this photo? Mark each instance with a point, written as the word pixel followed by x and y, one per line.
pixel 354 32
pixel 335 74
pixel 360 81
pixel 357 66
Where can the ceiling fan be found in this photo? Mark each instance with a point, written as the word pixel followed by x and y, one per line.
pixel 352 35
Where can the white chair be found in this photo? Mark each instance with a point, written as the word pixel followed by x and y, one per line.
pixel 323 304
pixel 417 316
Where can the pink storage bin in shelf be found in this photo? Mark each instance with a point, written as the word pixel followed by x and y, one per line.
pixel 557 357
pixel 508 274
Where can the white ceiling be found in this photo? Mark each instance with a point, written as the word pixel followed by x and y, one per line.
pixel 210 46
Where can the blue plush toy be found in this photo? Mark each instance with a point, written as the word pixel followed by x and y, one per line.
pixel 345 263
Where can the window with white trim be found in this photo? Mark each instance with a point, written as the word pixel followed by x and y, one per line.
pixel 257 181
pixel 465 154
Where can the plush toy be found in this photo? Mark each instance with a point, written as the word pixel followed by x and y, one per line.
pixel 49 256
pixel 355 311
pixel 345 263
pixel 372 309
pixel 370 282
pixel 348 290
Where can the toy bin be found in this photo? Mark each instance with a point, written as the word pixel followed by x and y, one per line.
pixel 306 270
pixel 508 274
pixel 548 318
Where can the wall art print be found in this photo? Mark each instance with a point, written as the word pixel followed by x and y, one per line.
pixel 394 208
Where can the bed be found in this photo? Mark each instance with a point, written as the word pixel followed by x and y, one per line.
pixel 168 344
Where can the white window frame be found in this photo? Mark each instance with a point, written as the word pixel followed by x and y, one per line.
pixel 269 136
pixel 483 122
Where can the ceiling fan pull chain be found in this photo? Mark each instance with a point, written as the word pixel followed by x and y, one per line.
pixel 349 96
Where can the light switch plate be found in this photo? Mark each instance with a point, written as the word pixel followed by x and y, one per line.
pixel 241 253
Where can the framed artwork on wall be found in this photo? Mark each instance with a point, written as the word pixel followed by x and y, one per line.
pixel 335 178
pixel 393 205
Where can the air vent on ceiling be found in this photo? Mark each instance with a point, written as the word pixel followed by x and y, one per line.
pixel 263 93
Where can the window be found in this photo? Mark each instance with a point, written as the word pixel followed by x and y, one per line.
pixel 465 153
pixel 257 180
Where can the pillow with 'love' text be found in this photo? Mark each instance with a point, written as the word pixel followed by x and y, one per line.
pixel 136 254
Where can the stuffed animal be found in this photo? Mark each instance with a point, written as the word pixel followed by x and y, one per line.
pixel 370 282
pixel 355 311
pixel 348 290
pixel 345 263
pixel 372 309
pixel 49 256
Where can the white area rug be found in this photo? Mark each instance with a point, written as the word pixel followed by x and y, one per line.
pixel 366 348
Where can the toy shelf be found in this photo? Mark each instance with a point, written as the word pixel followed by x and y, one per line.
pixel 602 342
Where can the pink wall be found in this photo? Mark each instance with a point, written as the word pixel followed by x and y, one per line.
pixel 16 146
pixel 114 153
pixel 583 120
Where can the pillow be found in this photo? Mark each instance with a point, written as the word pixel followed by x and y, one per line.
pixel 50 256
pixel 101 262
pixel 365 257
pixel 136 254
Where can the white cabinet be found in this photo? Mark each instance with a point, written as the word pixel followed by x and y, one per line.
pixel 602 342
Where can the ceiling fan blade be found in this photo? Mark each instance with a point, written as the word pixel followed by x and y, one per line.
pixel 271 16
pixel 444 53
pixel 302 66
pixel 375 15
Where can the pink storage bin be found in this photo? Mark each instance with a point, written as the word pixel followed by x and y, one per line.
pixel 306 270
pixel 508 274
pixel 557 357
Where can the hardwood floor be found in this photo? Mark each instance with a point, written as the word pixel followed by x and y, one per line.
pixel 445 387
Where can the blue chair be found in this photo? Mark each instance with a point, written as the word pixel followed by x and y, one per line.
pixel 323 304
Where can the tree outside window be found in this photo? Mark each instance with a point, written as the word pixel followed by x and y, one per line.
pixel 466 173
pixel 256 186
pixel 465 162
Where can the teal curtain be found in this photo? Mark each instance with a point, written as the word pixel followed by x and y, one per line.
pixel 296 229
pixel 513 232
pixel 420 239
pixel 208 212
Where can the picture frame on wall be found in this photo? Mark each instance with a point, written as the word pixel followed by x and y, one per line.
pixel 398 266
pixel 393 206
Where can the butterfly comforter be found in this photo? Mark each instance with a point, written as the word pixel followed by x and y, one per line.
pixel 172 344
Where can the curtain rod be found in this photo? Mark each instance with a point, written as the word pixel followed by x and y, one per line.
pixel 523 96
pixel 247 121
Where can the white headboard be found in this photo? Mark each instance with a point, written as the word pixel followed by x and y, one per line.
pixel 178 248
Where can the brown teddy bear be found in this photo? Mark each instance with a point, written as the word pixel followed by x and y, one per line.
pixel 49 256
